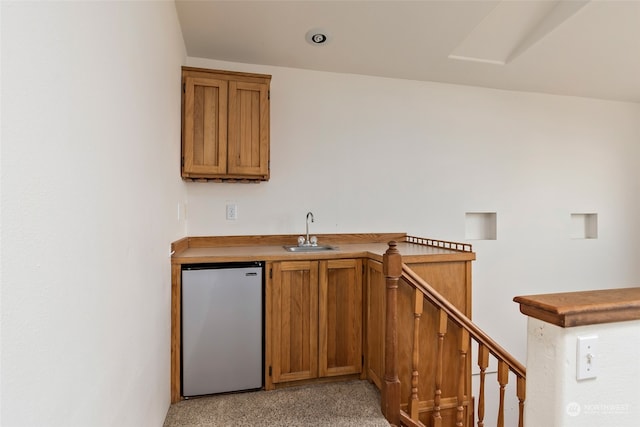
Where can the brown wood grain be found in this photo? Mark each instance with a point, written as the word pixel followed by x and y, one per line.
pixel 340 317
pixel 375 320
pixel 205 126
pixel 225 125
pixel 390 400
pixel 248 141
pixel 290 239
pixel 294 321
pixel 176 329
pixel 568 309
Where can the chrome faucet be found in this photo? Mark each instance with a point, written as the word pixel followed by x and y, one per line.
pixel 307 242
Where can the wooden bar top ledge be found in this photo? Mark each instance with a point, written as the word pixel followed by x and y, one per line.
pixel 581 308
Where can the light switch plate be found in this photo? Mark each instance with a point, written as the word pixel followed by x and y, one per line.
pixel 587 362
pixel 232 211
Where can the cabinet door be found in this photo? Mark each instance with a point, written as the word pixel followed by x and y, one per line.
pixel 294 321
pixel 205 126
pixel 248 145
pixel 375 320
pixel 340 317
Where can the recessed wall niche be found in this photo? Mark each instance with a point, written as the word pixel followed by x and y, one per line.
pixel 584 226
pixel 481 226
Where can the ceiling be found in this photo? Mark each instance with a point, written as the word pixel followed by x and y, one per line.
pixel 577 47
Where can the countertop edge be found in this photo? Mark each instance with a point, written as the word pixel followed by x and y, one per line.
pixel 203 249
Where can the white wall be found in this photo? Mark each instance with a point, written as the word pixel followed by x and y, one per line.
pixel 371 154
pixel 611 399
pixel 90 188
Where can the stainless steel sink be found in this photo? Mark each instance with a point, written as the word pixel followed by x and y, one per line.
pixel 317 248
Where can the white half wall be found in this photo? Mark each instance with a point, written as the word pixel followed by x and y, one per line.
pixel 368 154
pixel 90 189
pixel 556 398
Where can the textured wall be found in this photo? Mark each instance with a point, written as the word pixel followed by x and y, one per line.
pixel 556 398
pixel 90 138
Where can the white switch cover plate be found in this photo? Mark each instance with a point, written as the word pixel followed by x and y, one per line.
pixel 232 211
pixel 587 362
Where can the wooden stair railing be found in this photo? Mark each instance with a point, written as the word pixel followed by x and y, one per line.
pixel 408 413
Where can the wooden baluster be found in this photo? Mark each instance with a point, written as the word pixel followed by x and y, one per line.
pixel 442 331
pixel 521 396
pixel 503 379
pixel 462 376
pixel 414 401
pixel 390 402
pixel 483 363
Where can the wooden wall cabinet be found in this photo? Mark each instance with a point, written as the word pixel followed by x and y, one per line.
pixel 225 125
pixel 314 320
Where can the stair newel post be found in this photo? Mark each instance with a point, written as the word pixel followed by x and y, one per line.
pixel 392 270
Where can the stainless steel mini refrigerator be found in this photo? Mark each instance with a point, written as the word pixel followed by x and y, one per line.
pixel 222 328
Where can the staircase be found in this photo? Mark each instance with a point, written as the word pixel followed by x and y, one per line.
pixel 428 363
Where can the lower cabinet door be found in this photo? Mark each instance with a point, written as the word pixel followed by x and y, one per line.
pixel 340 317
pixel 294 322
pixel 316 319
pixel 375 313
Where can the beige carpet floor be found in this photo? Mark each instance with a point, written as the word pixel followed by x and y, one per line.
pixel 343 404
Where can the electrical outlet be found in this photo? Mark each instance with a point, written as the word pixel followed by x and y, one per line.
pixel 232 212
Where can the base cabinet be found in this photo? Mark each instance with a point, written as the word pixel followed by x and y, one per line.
pixel 453 281
pixel 314 320
pixel 324 313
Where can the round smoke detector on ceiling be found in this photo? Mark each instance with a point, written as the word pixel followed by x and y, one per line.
pixel 317 37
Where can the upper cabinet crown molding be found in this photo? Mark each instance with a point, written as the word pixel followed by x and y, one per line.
pixel 225 125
